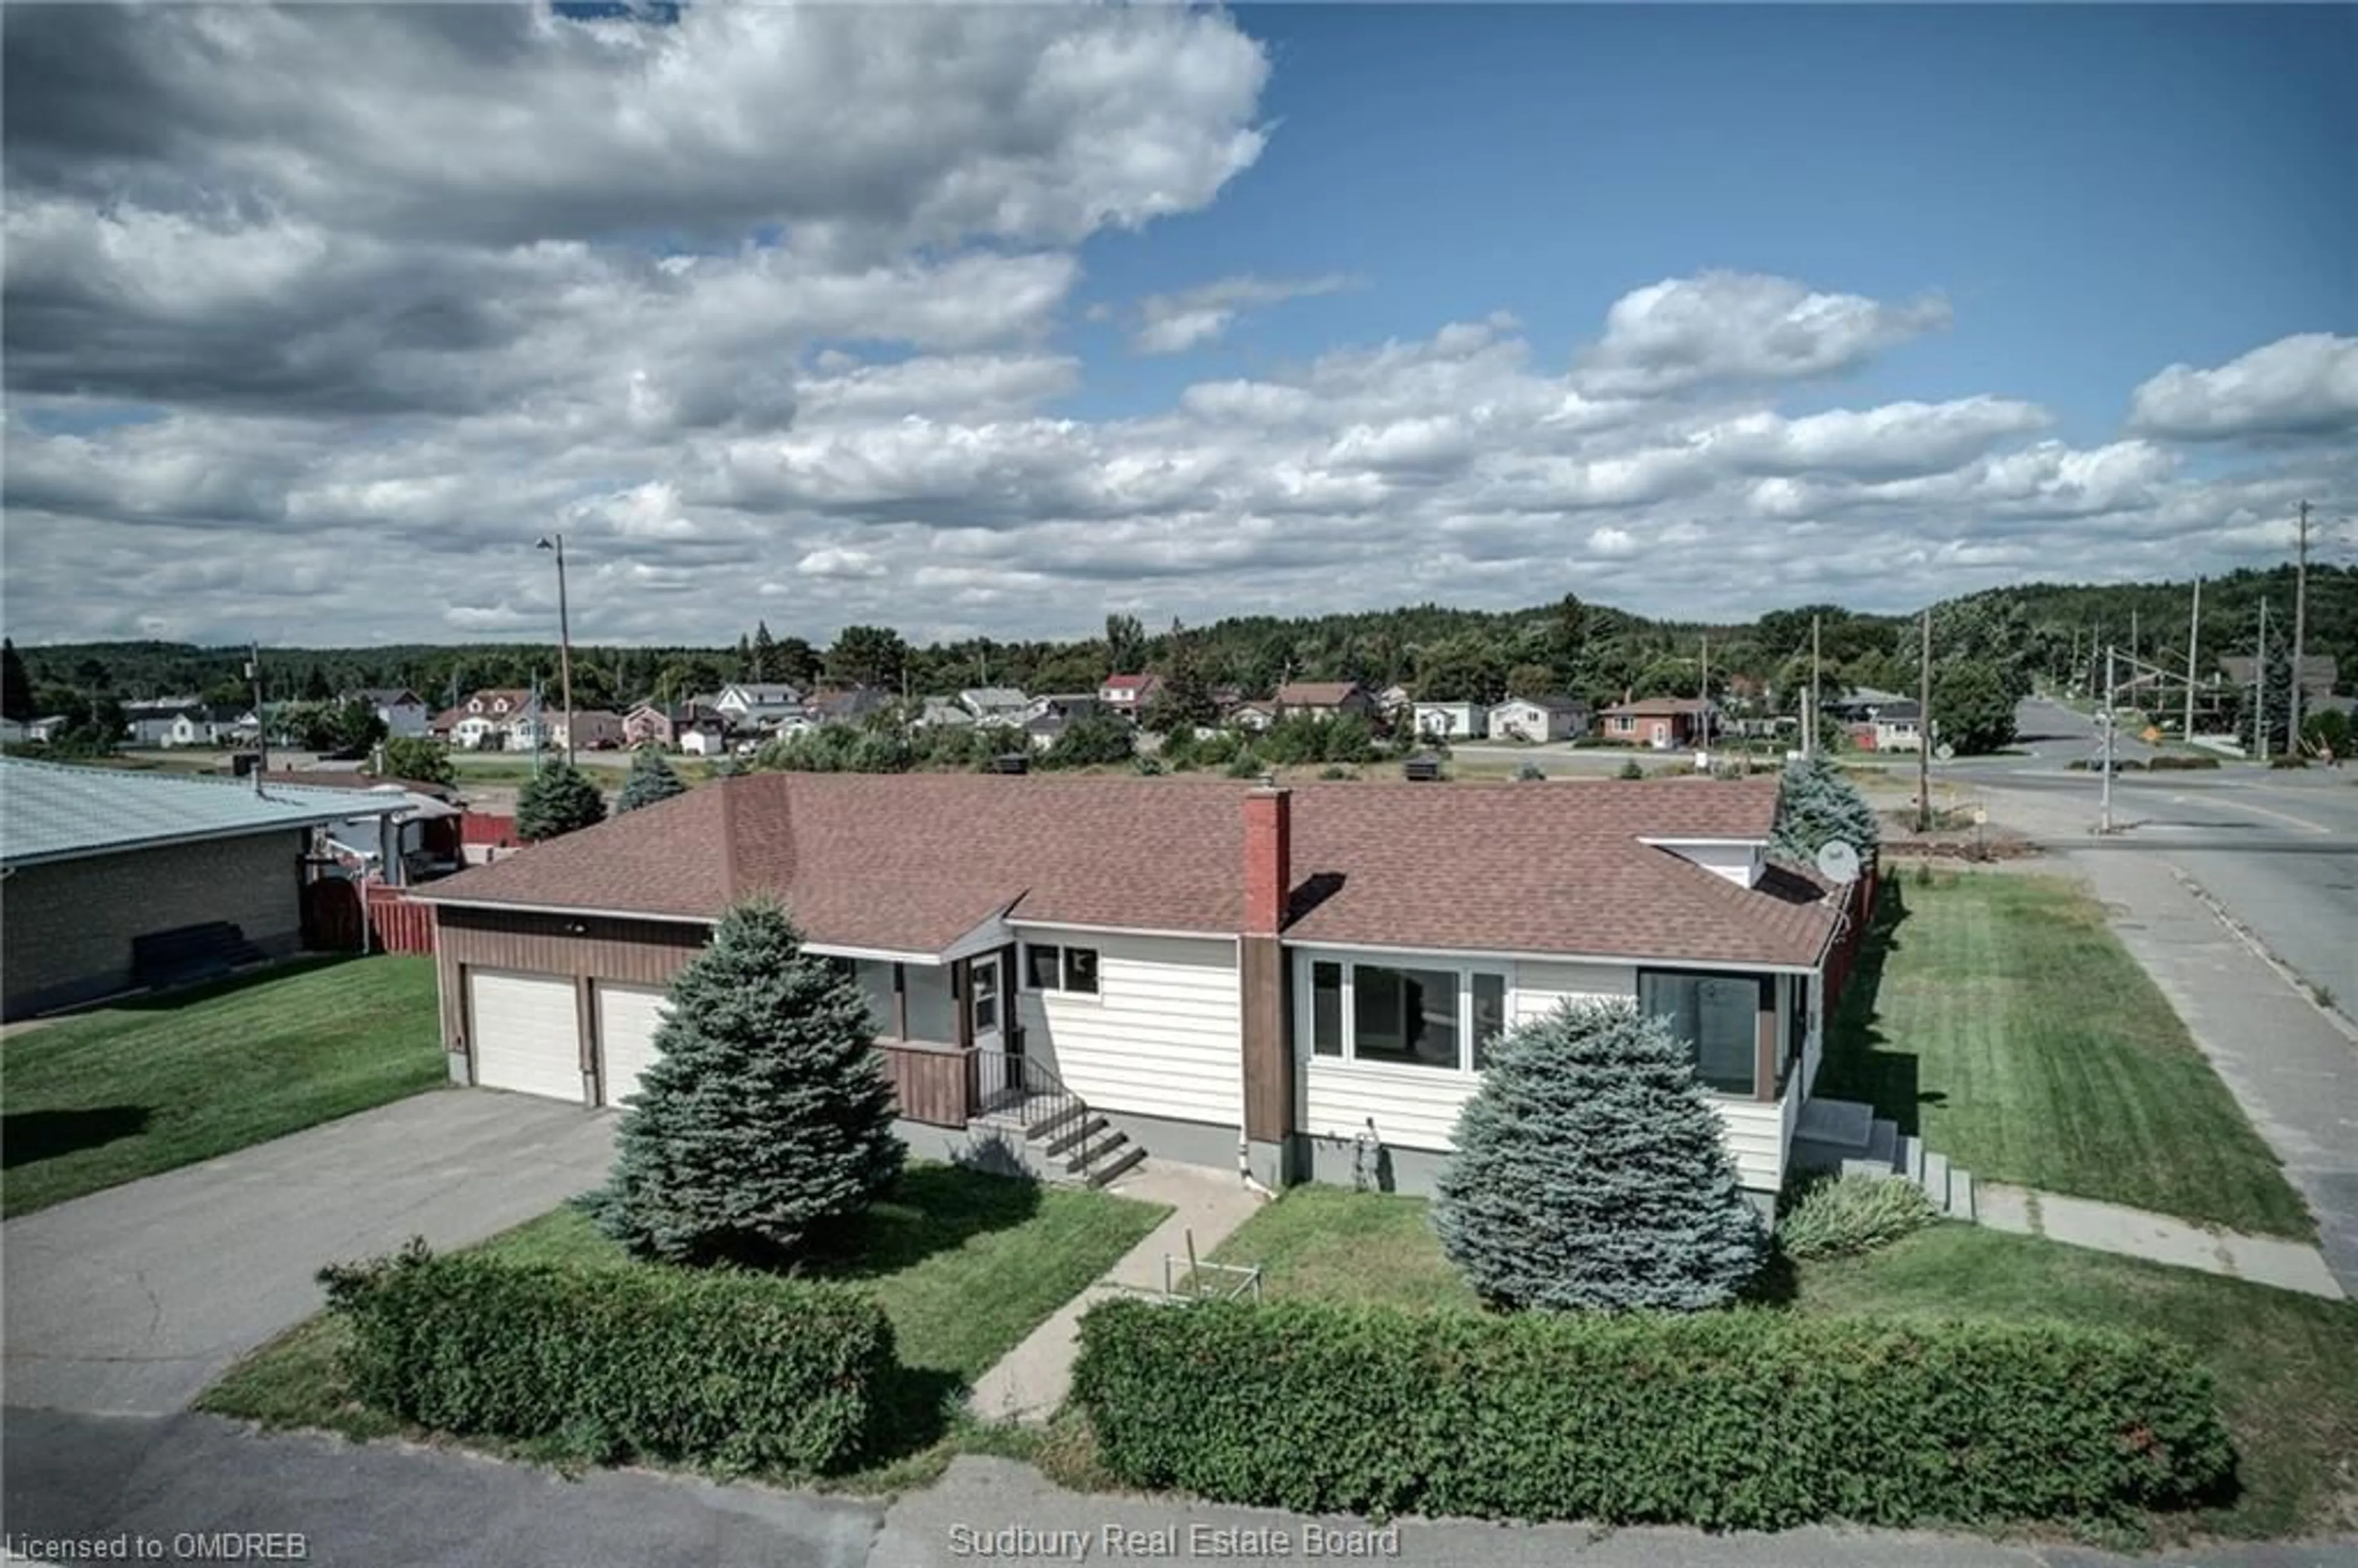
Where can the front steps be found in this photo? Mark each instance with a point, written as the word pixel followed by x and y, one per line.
pixel 1849 1138
pixel 1060 1139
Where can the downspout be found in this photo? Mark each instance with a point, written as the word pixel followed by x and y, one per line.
pixel 1244 1170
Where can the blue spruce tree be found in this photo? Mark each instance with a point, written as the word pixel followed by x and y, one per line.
pixel 650 779
pixel 764 1120
pixel 1592 1172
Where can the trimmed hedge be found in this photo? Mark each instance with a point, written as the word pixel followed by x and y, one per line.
pixel 1741 1420
pixel 738 1370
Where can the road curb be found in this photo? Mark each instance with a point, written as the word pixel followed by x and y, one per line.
pixel 2291 977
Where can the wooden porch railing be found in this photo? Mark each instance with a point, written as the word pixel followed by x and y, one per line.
pixel 932 1083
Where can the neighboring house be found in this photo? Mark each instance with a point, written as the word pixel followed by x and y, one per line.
pixel 995 704
pixel 1256 715
pixel 483 723
pixel 700 733
pixel 1064 705
pixel 1218 972
pixel 647 725
pixel 1325 699
pixel 942 713
pixel 1540 719
pixel 850 706
pixel 1665 723
pixel 111 875
pixel 151 723
pixel 1894 727
pixel 46 728
pixel 758 706
pixel 2319 672
pixel 1450 721
pixel 1394 702
pixel 427 837
pixel 402 710
pixel 1129 696
pixel 592 730
pixel 531 731
pixel 206 726
pixel 1858 705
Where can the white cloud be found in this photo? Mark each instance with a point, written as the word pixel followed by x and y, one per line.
pixel 1743 327
pixel 1174 323
pixel 2302 385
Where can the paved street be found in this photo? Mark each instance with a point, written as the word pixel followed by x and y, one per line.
pixel 79 1477
pixel 132 1300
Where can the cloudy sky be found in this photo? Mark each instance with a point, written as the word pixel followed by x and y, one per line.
pixel 997 319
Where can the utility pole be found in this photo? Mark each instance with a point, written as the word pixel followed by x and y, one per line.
pixel 1924 729
pixel 2193 641
pixel 2105 820
pixel 2260 688
pixel 1702 690
pixel 2133 634
pixel 2300 631
pixel 260 720
pixel 1810 744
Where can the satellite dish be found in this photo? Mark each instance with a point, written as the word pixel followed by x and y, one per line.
pixel 1838 862
pixel 1945 753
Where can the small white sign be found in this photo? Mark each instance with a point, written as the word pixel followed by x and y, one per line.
pixel 1981 815
pixel 1946 752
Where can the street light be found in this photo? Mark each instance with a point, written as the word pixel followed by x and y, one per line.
pixel 565 639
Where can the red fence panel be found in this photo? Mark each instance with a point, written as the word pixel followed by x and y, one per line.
pixel 397 923
pixel 489 827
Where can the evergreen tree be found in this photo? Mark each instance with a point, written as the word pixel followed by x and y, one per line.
pixel 2273 701
pixel 15 686
pixel 766 653
pixel 1592 1172
pixel 651 780
pixel 1816 804
pixel 1185 695
pixel 764 1118
pixel 555 801
pixel 316 688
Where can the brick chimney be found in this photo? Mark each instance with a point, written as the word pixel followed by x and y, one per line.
pixel 1268 858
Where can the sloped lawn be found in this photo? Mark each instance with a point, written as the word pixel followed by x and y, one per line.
pixel 2283 1362
pixel 1998 1017
pixel 160 1082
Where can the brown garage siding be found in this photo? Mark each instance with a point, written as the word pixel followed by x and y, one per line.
pixel 637 952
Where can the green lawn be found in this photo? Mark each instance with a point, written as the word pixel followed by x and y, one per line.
pixel 1999 1016
pixel 165 1081
pixel 2284 1361
pixel 965 1265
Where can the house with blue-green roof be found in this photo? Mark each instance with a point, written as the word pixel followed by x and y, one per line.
pixel 114 880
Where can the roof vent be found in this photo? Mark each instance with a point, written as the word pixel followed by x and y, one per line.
pixel 1011 762
pixel 1423 768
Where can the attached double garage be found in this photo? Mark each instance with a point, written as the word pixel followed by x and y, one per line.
pixel 560 1006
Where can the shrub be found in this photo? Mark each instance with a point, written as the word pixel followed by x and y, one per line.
pixel 2181 762
pixel 1531 772
pixel 1093 741
pixel 1592 1171
pixel 735 1369
pixel 557 800
pixel 1337 771
pixel 764 1118
pixel 416 757
pixel 1245 765
pixel 1743 1419
pixel 1150 767
pixel 651 780
pixel 1827 1218
pixel 1632 768
pixel 2289 759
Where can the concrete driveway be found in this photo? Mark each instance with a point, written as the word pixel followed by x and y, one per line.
pixel 130 1301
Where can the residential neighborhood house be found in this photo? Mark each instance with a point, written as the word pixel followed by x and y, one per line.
pixel 484 720
pixel 1450 721
pixel 402 711
pixel 149 722
pixel 1540 719
pixel 590 730
pixel 117 880
pixel 758 707
pixel 995 704
pixel 1325 699
pixel 1665 723
pixel 1216 972
pixel 1129 696
pixel 210 724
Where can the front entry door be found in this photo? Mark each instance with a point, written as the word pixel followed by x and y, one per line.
pixel 985 1006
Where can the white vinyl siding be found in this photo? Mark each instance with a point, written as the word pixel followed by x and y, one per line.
pixel 1162 1035
pixel 526 1036
pixel 1417 1106
pixel 628 1017
pixel 1740 862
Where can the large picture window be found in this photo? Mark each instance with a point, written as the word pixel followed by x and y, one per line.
pixel 1052 969
pixel 1717 1016
pixel 1411 1015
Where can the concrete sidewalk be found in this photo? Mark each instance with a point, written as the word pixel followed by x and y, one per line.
pixel 2157 1238
pixel 1031 1381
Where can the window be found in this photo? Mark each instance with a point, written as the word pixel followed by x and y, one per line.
pixel 1396 1015
pixel 1489 1015
pixel 983 979
pixel 1327 1009
pixel 1717 1015
pixel 1048 968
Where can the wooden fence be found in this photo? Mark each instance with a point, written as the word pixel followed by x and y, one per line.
pixel 332 911
pixel 931 1082
pixel 1858 915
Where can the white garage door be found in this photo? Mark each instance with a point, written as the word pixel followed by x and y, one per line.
pixel 526 1037
pixel 627 1017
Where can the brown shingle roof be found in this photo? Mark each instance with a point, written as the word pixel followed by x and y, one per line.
pixel 1317 693
pixel 911 862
